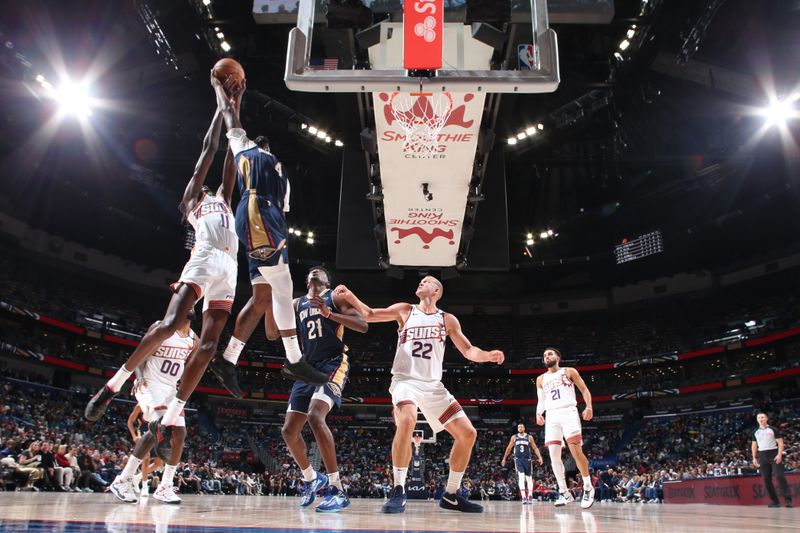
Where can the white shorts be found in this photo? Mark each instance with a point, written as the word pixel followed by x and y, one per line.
pixel 154 398
pixel 438 406
pixel 212 274
pixel 560 424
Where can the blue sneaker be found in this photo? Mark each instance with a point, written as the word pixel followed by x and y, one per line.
pixel 335 500
pixel 456 502
pixel 397 501
pixel 310 489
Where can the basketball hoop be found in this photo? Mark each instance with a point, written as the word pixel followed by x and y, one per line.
pixel 422 117
pixel 417 440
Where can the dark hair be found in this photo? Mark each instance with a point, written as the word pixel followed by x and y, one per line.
pixel 262 142
pixel 558 353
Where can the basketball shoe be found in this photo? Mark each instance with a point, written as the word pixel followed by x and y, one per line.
pixel 227 375
pixel 456 502
pixel 166 494
pixel 302 371
pixel 123 489
pixel 566 497
pixel 587 500
pixel 99 403
pixel 335 500
pixel 310 489
pixel 397 501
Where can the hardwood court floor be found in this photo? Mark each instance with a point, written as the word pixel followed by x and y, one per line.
pixel 89 513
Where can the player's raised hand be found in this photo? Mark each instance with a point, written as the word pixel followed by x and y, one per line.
pixel 496 356
pixel 588 414
pixel 215 81
pixel 539 420
pixel 320 304
pixel 342 292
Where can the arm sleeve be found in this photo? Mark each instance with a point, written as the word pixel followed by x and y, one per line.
pixel 237 138
pixel 286 198
pixel 540 403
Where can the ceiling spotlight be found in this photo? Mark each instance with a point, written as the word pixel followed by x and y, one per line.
pixel 310 240
pixel 529 242
pixel 529 236
pixel 310 234
pixel 303 126
pixel 338 143
pixel 543 235
pixel 73 99
pixel 225 46
pixel 550 232
pixel 624 45
pixel 618 56
pixel 39 78
pixel 512 140
pixel 206 2
pixel 321 134
pixel 521 135
pixel 631 33
pixel 220 35
pixel 328 139
pixel 779 111
pixel 291 231
pixel 312 130
pixel 540 126
pixel 531 130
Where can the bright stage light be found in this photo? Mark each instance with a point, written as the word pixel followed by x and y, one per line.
pixel 779 111
pixel 512 140
pixel 225 46
pixel 73 99
pixel 624 45
pixel 521 135
pixel 543 235
pixel 531 130
pixel 529 242
pixel 339 143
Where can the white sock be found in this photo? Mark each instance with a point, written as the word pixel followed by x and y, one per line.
pixel 400 476
pixel 169 475
pixel 558 466
pixel 173 412
pixel 587 482
pixel 119 379
pixel 130 467
pixel 233 350
pixel 521 481
pixel 453 482
pixel 293 353
pixel 309 474
pixel 333 479
pixel 529 488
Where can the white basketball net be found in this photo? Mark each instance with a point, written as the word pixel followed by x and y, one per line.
pixel 417 440
pixel 422 117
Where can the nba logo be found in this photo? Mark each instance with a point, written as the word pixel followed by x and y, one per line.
pixel 527 57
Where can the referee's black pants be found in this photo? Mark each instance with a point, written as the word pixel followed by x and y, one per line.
pixel 766 461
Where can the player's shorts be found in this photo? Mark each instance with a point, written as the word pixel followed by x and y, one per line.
pixel 212 275
pixel 563 423
pixel 523 466
pixel 438 406
pixel 331 393
pixel 262 229
pixel 154 398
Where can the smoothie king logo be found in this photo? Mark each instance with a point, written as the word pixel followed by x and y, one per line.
pixel 427 224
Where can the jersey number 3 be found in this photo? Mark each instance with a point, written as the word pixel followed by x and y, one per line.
pixel 422 349
pixel 314 328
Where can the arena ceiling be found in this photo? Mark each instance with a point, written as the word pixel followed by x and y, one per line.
pixel 665 138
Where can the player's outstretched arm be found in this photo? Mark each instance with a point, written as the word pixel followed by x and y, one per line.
pixel 395 312
pixel 508 451
pixel 198 179
pixel 473 353
pixel 587 396
pixel 347 316
pixel 226 104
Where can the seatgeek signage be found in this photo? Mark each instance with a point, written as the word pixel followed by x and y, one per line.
pixel 425 229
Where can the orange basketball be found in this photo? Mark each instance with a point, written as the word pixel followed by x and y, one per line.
pixel 228 71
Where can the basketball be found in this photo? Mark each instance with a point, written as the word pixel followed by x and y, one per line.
pixel 229 72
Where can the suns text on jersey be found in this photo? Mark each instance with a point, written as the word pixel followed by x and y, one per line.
pixel 557 383
pixel 211 208
pixel 421 333
pixel 171 352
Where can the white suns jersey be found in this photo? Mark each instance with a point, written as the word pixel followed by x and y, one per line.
pixel 559 391
pixel 165 366
pixel 213 224
pixel 420 346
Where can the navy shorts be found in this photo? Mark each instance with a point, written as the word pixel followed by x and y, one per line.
pixel 523 466
pixel 262 229
pixel 302 393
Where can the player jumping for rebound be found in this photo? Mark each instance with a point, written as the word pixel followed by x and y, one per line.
pixel 321 318
pixel 556 394
pixel 155 388
pixel 522 444
pixel 210 274
pixel 262 228
pixel 417 384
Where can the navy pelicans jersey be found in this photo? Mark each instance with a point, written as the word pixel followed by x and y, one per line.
pixel 321 338
pixel 258 172
pixel 420 346
pixel 522 447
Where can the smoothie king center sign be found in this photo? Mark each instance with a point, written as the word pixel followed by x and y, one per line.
pixel 426 231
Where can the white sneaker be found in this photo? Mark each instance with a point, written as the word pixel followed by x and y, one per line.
pixel 123 489
pixel 166 494
pixel 145 489
pixel 587 499
pixel 564 498
pixel 137 483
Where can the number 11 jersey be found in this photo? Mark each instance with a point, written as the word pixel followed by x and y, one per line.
pixel 420 346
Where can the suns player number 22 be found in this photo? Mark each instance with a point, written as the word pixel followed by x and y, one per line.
pixel 422 349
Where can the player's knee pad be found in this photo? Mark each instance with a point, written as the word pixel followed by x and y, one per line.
pixel 280 280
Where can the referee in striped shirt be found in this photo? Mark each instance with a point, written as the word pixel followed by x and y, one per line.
pixel 767 450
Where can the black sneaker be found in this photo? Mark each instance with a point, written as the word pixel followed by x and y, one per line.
pixel 99 403
pixel 302 371
pixel 774 504
pixel 163 436
pixel 789 503
pixel 456 502
pixel 227 375
pixel 397 501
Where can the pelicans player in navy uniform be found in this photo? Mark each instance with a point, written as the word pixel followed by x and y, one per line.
pixel 522 444
pixel 262 228
pixel 417 384
pixel 556 397
pixel 321 319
